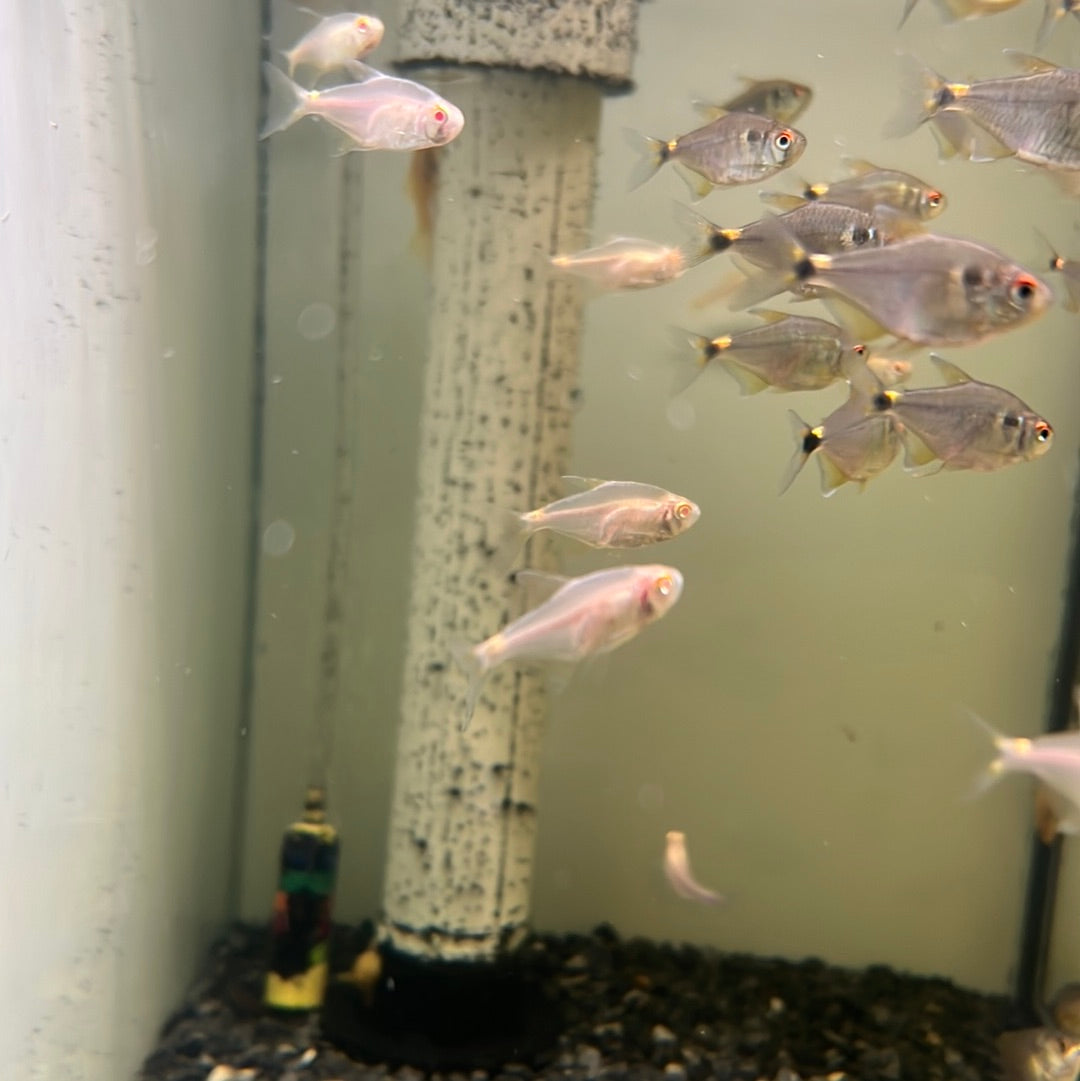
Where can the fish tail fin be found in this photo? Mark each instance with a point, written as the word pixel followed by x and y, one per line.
pixel 289 56
pixel 804 447
pixel 288 101
pixel 785 260
pixel 993 772
pixel 1053 13
pixel 653 153
pixel 909 6
pixel 512 530
pixel 704 349
pixel 922 90
pixel 472 663
pixel 705 238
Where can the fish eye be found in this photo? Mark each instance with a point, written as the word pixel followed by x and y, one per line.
pixel 784 139
pixel 859 349
pixel 682 510
pixel 439 114
pixel 1022 290
pixel 361 23
pixel 1043 431
pixel 663 585
pixel 934 199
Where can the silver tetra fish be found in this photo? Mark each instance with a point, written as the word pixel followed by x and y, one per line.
pixel 593 614
pixel 625 263
pixel 868 187
pixel 927 288
pixel 851 447
pixel 965 9
pixel 611 514
pixel 781 99
pixel 965 424
pixel 1034 116
pixel 736 148
pixel 333 41
pixel 378 112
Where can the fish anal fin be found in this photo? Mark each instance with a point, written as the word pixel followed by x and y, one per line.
pixel 699 185
pixel 749 382
pixel 860 326
pixel 919 459
pixel 832 476
pixel 951 373
pixel 958 136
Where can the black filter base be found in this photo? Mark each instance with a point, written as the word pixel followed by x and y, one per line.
pixel 444 1016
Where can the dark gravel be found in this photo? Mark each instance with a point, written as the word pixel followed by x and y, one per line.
pixel 633 1010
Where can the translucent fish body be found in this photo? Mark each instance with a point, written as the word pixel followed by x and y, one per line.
pixel 615 514
pixel 781 99
pixel 679 874
pixel 624 263
pixel 334 41
pixel 932 289
pixel 1054 758
pixel 380 112
pixel 968 425
pixel 872 187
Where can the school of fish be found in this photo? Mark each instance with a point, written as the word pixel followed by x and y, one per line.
pixel 861 243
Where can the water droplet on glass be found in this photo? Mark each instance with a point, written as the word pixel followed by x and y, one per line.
pixel 145 245
pixel 316 321
pixel 680 414
pixel 278 537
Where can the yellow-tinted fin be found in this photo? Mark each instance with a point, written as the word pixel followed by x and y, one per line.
pixel 832 477
pixel 709 111
pixel 769 315
pixel 782 200
pixel 860 326
pixel 699 186
pixel 919 459
pixel 958 136
pixel 800 430
pixel 749 382
pixel 1027 62
pixel 860 166
pixel 952 374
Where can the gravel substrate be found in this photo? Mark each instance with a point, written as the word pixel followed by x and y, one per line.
pixel 634 1010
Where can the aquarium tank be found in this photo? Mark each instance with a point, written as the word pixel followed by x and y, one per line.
pixel 537 537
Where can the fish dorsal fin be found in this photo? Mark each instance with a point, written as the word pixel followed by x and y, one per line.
pixel 769 315
pixel 1026 62
pixel 952 374
pixel 573 484
pixel 539 585
pixel 782 200
pixel 360 73
pixel 710 111
pixel 860 166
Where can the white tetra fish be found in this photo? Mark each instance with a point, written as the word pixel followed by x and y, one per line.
pixel 870 186
pixel 585 616
pixel 1053 758
pixel 679 875
pixel 781 99
pixel 965 424
pixel 610 514
pixel 377 112
pixel 965 9
pixel 735 148
pixel 851 446
pixel 1033 116
pixel 335 40
pixel 625 263
pixel 928 289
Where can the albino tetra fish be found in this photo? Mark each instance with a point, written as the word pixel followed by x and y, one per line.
pixel 965 424
pixel 965 9
pixel 1034 116
pixel 611 514
pixel 869 186
pixel 377 112
pixel 735 148
pixel 1053 758
pixel 334 40
pixel 625 263
pixel 679 875
pixel 850 446
pixel 928 289
pixel 593 614
pixel 781 99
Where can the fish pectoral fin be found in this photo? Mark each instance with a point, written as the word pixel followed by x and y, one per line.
pixel 919 459
pixel 1029 63
pixel 951 373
